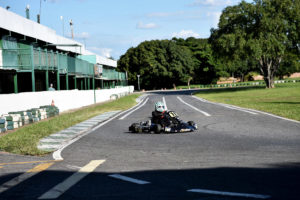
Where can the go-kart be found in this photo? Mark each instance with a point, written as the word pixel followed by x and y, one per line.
pixel 170 123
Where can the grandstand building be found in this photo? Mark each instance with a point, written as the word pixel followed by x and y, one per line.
pixel 33 56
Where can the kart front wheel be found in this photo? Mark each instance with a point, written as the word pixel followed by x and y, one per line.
pixel 191 123
pixel 157 128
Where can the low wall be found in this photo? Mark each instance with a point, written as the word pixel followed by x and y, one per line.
pixel 64 99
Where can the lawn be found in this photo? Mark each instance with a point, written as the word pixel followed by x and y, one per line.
pixel 24 140
pixel 284 100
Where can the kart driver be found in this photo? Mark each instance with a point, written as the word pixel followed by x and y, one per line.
pixel 158 115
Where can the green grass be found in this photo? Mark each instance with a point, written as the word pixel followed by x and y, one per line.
pixel 24 140
pixel 284 100
pixel 292 78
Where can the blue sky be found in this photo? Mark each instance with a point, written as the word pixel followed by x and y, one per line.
pixel 110 27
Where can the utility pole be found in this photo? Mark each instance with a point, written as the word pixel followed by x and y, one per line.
pixel 63 25
pixel 126 78
pixel 27 12
pixel 138 82
pixel 39 15
pixel 71 25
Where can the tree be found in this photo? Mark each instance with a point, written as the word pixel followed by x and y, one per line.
pixel 160 64
pixel 206 66
pixel 289 65
pixel 264 31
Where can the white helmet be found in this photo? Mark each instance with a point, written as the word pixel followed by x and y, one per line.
pixel 159 107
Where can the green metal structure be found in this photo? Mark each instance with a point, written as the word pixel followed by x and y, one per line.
pixel 35 59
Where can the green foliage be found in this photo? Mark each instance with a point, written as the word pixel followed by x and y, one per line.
pixel 207 68
pixel 160 63
pixel 289 65
pixel 250 76
pixel 263 31
pixel 175 61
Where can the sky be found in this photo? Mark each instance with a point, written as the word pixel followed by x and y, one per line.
pixel 110 27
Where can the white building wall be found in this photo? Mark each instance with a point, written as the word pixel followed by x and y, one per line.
pixel 64 99
pixel 102 60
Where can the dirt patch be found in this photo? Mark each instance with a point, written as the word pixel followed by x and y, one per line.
pixel 295 75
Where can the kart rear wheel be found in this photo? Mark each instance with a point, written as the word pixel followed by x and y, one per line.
pixel 157 128
pixel 138 129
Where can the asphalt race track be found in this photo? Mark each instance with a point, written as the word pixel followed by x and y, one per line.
pixel 234 154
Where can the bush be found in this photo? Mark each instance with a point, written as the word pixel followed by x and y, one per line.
pixel 250 76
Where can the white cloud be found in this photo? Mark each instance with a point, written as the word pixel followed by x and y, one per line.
pixel 212 2
pixel 215 17
pixel 105 52
pixel 141 25
pixel 185 34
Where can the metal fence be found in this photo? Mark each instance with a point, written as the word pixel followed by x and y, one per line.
pixel 38 59
pixel 30 59
pixel 18 59
pixel 111 74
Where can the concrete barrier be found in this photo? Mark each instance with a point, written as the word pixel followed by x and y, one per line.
pixel 64 99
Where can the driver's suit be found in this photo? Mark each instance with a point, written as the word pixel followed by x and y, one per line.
pixel 161 118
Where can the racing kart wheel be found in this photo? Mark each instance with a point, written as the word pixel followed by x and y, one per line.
pixel 157 128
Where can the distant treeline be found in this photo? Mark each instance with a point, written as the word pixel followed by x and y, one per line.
pixel 262 36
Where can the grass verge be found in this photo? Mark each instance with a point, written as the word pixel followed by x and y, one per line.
pixel 284 100
pixel 24 140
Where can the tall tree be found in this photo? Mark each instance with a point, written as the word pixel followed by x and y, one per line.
pixel 207 68
pixel 264 30
pixel 160 64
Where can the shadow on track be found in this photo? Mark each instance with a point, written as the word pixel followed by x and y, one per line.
pixel 281 181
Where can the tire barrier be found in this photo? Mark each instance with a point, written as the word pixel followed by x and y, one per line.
pixel 229 85
pixel 119 95
pixel 14 120
pixel 114 97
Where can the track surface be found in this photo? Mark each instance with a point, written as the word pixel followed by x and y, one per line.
pixel 234 154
